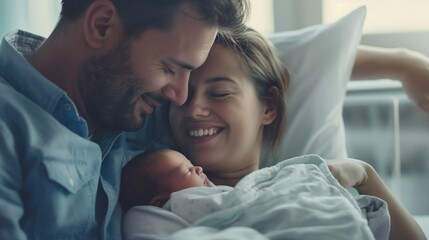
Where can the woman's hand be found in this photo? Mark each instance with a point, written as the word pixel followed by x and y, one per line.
pixel 355 173
pixel 349 172
pixel 415 76
pixel 407 66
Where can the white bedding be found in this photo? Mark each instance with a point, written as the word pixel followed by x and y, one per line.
pixel 295 199
pixel 423 221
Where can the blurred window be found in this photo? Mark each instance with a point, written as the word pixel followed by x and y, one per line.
pixel 262 16
pixel 43 15
pixel 36 16
pixel 382 15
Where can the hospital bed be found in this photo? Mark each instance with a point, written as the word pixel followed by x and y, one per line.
pixel 389 131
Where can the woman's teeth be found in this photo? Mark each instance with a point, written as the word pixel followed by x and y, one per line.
pixel 202 132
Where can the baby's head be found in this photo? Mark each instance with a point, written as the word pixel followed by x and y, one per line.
pixel 150 178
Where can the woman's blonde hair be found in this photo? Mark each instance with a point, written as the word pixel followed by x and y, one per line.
pixel 269 75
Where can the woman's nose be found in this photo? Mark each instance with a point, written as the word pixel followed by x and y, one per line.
pixel 197 108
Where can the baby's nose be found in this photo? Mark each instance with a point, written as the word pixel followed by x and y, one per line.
pixel 198 170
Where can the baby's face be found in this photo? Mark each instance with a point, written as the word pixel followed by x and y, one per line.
pixel 179 173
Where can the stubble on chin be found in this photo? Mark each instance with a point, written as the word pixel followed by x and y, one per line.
pixel 109 89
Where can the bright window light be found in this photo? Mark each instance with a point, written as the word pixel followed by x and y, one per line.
pixel 261 16
pixel 44 23
pixel 383 15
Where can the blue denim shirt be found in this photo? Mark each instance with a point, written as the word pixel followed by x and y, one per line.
pixel 54 182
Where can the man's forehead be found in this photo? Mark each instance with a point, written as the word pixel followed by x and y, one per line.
pixel 182 64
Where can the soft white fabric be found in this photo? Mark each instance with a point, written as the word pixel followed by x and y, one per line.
pixel 194 203
pixel 297 199
pixel 149 222
pixel 320 59
pixel 377 214
pixel 153 223
pixel 181 210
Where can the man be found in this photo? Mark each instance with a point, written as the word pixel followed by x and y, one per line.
pixel 65 100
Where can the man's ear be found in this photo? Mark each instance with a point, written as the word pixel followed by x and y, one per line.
pixel 101 24
pixel 270 108
pixel 159 200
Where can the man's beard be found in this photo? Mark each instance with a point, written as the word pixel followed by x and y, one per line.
pixel 110 88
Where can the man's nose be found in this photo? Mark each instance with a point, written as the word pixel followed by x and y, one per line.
pixel 177 90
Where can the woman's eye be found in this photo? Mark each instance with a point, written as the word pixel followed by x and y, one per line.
pixel 220 94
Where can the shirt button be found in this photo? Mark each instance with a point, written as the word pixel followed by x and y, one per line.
pixel 67 107
pixel 71 182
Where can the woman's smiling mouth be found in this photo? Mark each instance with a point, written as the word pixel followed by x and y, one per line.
pixel 203 132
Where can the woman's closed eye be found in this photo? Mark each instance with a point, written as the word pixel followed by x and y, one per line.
pixel 220 94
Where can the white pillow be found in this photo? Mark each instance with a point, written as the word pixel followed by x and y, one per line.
pixel 320 59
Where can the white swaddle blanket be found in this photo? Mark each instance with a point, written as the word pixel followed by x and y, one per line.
pixel 295 199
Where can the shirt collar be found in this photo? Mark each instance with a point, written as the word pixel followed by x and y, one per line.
pixel 15 48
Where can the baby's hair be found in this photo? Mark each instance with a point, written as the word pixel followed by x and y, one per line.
pixel 138 182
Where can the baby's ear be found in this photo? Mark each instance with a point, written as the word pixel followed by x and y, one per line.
pixel 159 200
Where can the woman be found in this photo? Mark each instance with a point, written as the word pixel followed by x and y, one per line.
pixel 228 115
pixel 236 105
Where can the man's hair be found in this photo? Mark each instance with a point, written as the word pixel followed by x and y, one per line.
pixel 140 15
